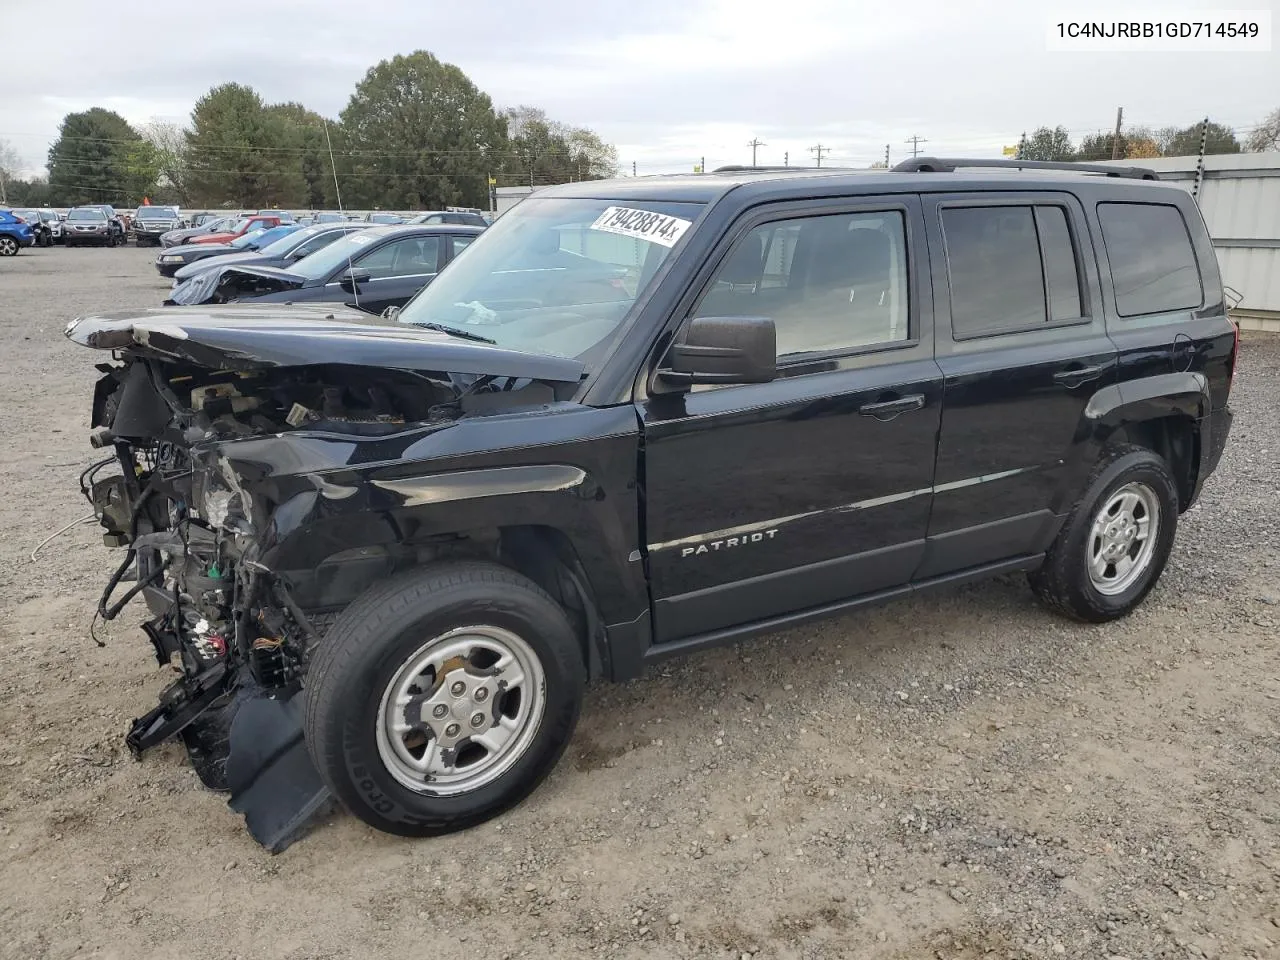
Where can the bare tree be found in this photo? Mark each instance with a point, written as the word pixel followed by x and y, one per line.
pixel 10 164
pixel 1267 135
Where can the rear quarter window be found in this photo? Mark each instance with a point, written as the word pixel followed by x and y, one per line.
pixel 1153 263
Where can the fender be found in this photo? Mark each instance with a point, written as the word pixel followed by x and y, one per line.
pixel 321 502
pixel 1114 407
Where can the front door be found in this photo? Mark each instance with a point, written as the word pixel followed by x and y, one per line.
pixel 398 269
pixel 767 499
pixel 1023 345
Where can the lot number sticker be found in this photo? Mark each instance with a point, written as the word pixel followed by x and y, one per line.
pixel 642 225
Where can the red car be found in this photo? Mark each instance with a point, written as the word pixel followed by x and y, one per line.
pixel 240 229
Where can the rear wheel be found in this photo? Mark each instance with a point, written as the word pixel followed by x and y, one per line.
pixel 443 697
pixel 8 247
pixel 1117 540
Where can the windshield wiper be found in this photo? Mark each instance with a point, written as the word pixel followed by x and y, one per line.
pixel 454 332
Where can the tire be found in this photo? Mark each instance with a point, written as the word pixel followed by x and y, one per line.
pixel 378 641
pixel 111 239
pixel 8 246
pixel 1076 578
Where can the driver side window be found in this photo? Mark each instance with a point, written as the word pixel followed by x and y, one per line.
pixel 829 283
pixel 409 256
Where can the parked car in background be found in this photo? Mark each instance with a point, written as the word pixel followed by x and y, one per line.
pixel 280 251
pixel 451 216
pixel 92 226
pixel 284 216
pixel 15 233
pixel 331 218
pixel 239 228
pixel 209 224
pixel 371 269
pixel 41 234
pixel 150 223
pixel 384 218
pixel 174 259
pixel 51 219
pixel 121 222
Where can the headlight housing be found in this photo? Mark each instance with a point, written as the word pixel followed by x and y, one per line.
pixel 172 258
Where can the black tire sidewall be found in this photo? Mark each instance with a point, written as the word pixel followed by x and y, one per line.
pixel 1135 467
pixel 350 714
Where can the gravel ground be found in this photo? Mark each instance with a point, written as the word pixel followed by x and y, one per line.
pixel 958 777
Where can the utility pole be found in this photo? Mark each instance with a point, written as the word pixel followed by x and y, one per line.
pixel 1022 146
pixel 1115 140
pixel 755 143
pixel 819 150
pixel 886 156
pixel 786 158
pixel 915 145
pixel 633 168
pixel 702 164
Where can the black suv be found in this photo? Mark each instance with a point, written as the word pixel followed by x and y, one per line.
pixel 638 419
pixel 150 223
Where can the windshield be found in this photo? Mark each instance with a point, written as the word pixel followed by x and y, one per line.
pixel 30 216
pixel 264 238
pixel 283 240
pixel 156 213
pixel 245 239
pixel 555 276
pixel 323 262
pixel 86 215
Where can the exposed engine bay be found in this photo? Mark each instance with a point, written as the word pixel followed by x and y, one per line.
pixel 209 430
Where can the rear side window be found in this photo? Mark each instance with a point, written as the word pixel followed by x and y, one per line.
pixel 1153 265
pixel 1011 268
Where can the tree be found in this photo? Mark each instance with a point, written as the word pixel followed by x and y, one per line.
pixel 99 158
pixel 10 164
pixel 1097 146
pixel 169 141
pixel 303 132
pixel 420 134
pixel 28 193
pixel 545 151
pixel 1186 142
pixel 239 152
pixel 1046 144
pixel 1267 134
pixel 1141 143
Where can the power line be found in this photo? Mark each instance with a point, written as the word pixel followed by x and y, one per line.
pixel 915 145
pixel 820 150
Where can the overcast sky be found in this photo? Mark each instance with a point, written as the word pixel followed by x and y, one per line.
pixel 667 81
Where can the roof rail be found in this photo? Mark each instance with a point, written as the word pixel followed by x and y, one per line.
pixel 949 165
pixel 747 168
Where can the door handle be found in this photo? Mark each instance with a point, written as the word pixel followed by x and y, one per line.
pixel 1080 374
pixel 891 408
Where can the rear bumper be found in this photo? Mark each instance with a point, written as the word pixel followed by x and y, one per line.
pixel 1214 430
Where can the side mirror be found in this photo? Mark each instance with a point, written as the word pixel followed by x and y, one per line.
pixel 722 350
pixel 352 278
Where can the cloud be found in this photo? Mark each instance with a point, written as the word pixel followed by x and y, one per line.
pixel 668 81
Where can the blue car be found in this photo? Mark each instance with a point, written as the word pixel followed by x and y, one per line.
pixel 15 234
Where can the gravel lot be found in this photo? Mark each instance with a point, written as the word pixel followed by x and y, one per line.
pixel 961 777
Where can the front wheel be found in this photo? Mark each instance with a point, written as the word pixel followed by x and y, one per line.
pixel 1116 541
pixel 8 247
pixel 443 697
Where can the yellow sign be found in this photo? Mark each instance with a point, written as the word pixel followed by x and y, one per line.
pixel 493 182
pixel 1010 151
pixel 697 168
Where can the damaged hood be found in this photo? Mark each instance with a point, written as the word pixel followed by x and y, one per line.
pixel 201 287
pixel 239 338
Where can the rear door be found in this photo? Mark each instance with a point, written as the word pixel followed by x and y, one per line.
pixel 763 500
pixel 1022 344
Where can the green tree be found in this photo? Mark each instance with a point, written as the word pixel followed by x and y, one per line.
pixel 420 135
pixel 303 131
pixel 1186 142
pixel 169 141
pixel 239 151
pixel 99 158
pixel 1097 146
pixel 1049 144
pixel 543 151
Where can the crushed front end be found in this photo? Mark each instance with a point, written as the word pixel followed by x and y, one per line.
pixel 221 442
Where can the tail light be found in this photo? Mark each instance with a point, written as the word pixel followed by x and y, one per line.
pixel 19 219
